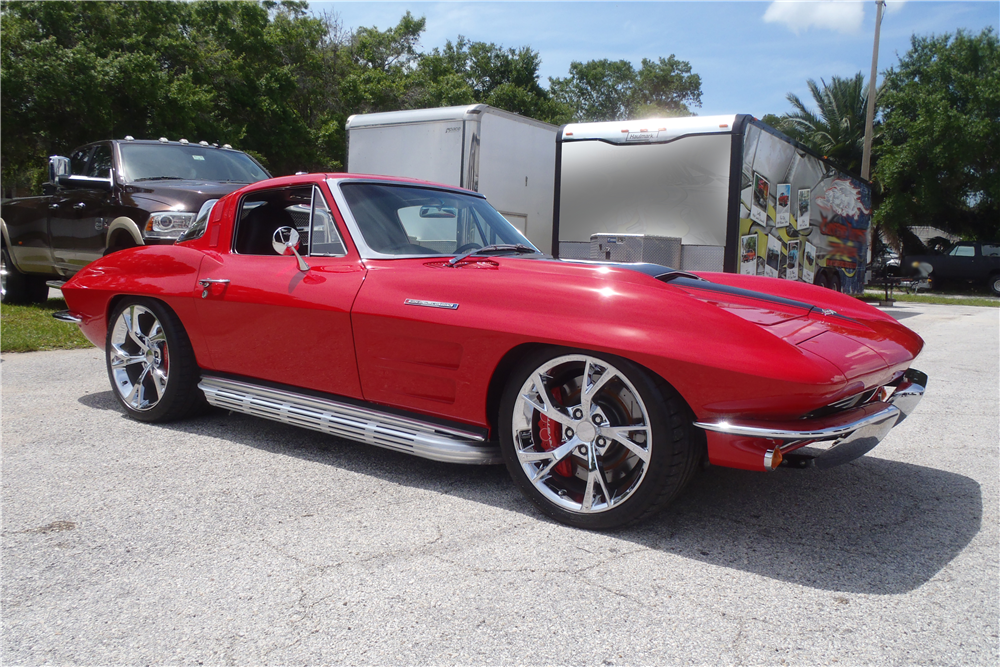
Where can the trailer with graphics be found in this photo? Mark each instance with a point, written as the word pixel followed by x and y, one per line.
pixel 740 196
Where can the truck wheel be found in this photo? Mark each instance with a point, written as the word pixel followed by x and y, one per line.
pixel 593 440
pixel 13 283
pixel 150 362
pixel 995 283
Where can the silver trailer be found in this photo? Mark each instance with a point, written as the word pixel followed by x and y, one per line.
pixel 508 158
pixel 740 196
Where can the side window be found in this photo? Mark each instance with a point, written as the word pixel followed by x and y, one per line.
pixel 78 161
pixel 100 162
pixel 963 251
pixel 323 230
pixel 991 250
pixel 263 212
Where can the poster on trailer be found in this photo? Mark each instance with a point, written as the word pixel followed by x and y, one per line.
pixel 773 260
pixel 802 217
pixel 792 263
pixel 809 263
pixel 782 208
pixel 758 199
pixel 748 255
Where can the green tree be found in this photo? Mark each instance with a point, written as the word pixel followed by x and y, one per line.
pixel 466 72
pixel 938 160
pixel 260 76
pixel 837 127
pixel 601 90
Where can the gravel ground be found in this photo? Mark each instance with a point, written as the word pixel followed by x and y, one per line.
pixel 230 540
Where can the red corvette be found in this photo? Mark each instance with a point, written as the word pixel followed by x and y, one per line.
pixel 413 316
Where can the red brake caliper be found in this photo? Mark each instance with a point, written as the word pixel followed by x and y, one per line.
pixel 550 432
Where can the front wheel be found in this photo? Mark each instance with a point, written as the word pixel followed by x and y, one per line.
pixel 150 362
pixel 593 440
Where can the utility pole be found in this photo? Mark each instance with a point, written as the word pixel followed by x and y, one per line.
pixel 866 156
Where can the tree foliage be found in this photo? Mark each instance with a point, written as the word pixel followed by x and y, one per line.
pixel 837 127
pixel 601 90
pixel 266 77
pixel 938 160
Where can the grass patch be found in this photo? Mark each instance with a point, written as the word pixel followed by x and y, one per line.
pixel 30 328
pixel 942 299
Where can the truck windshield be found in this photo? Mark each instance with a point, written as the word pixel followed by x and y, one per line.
pixel 147 162
pixel 408 220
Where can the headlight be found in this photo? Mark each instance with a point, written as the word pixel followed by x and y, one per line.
pixel 168 224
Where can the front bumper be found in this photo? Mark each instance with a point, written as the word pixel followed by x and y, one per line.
pixel 827 441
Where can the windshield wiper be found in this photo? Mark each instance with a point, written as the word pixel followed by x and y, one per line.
pixel 160 178
pixel 519 248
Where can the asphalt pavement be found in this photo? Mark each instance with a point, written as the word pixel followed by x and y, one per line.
pixel 228 540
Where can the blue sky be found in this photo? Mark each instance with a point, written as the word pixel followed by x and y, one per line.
pixel 748 54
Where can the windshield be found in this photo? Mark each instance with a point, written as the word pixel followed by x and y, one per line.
pixel 170 161
pixel 408 220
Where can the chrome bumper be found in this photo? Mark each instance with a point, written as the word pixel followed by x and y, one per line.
pixel 834 440
pixel 67 316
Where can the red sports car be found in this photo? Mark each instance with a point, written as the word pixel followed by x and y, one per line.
pixel 413 316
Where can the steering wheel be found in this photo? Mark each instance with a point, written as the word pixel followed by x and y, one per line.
pixel 467 246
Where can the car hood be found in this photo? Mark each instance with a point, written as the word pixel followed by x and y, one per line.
pixel 854 337
pixel 186 195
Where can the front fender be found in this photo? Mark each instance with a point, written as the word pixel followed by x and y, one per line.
pixel 167 273
pixel 124 225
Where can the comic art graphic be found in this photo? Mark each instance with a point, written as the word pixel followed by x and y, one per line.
pixel 772 262
pixel 804 202
pixel 845 215
pixel 802 216
pixel 748 254
pixel 809 263
pixel 758 201
pixel 782 212
pixel 792 263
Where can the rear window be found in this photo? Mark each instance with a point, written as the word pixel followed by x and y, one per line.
pixel 149 162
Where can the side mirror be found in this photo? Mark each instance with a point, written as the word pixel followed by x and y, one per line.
pixel 58 166
pixel 286 241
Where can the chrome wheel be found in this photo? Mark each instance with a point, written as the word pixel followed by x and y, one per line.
pixel 581 433
pixel 3 275
pixel 138 358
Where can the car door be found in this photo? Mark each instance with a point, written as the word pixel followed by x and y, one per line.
pixel 66 210
pixel 262 317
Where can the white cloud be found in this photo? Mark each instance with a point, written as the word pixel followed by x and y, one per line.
pixel 845 16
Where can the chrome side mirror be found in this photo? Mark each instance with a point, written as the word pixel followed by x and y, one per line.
pixel 58 166
pixel 285 242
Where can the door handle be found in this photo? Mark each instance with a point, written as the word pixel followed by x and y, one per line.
pixel 206 283
pixel 54 207
pixel 80 206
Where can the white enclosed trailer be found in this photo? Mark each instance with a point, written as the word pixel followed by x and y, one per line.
pixel 740 196
pixel 508 158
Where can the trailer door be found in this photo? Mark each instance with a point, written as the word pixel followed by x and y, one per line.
pixel 430 151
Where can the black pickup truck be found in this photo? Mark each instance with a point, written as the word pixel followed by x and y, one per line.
pixel 107 196
pixel 965 262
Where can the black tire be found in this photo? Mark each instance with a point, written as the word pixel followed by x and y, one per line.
pixel 822 280
pixel 994 283
pixel 151 365
pixel 835 282
pixel 14 286
pixel 658 425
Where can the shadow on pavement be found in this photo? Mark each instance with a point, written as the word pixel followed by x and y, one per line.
pixel 872 526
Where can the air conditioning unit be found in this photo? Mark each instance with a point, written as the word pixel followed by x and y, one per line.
pixel 663 250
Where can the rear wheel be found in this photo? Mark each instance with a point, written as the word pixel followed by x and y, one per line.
pixel 994 283
pixel 593 440
pixel 17 287
pixel 150 362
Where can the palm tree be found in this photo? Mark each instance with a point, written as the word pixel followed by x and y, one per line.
pixel 838 129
